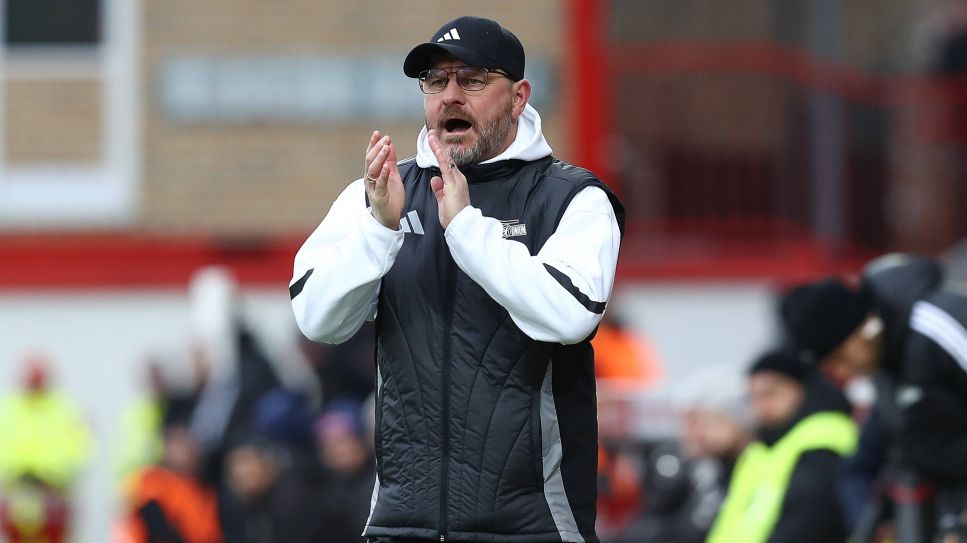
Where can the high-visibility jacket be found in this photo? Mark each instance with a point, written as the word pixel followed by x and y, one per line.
pixel 187 507
pixel 141 443
pixel 761 477
pixel 44 436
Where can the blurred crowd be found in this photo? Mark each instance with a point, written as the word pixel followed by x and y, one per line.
pixel 237 453
pixel 852 427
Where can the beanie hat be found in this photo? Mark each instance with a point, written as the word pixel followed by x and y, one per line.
pixel 783 363
pixel 819 316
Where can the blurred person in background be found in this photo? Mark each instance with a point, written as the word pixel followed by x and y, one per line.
pixel 345 370
pixel 487 263
pixel 625 364
pixel 45 444
pixel 168 502
pixel 818 317
pixel 784 487
pixel 348 462
pixel 267 497
pixel 913 336
pixel 239 373
pixel 623 359
pixel 685 483
pixel 141 426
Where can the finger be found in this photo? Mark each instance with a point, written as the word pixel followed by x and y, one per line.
pixel 373 154
pixel 434 141
pixel 436 184
pixel 435 144
pixel 380 186
pixel 391 160
pixel 448 170
pixel 371 149
pixel 372 141
pixel 376 166
pixel 441 157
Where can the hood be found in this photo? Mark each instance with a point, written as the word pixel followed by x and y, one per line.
pixel 528 145
pixel 893 283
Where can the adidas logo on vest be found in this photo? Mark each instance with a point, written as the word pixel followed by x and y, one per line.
pixel 411 223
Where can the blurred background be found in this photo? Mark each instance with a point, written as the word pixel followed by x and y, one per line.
pixel 162 161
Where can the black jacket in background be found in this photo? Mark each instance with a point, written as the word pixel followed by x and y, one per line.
pixel 925 355
pixel 932 393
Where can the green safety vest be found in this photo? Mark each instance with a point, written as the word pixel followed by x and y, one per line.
pixel 758 486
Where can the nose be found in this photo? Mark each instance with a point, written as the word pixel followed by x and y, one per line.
pixel 452 93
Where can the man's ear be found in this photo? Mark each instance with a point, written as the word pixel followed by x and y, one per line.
pixel 522 93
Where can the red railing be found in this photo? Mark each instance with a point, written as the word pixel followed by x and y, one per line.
pixel 739 144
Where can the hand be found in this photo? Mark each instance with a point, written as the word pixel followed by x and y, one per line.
pixel 450 187
pixel 384 186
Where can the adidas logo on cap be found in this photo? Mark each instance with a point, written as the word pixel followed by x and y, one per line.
pixel 451 34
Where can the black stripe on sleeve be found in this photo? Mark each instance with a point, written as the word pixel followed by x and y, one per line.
pixel 565 281
pixel 297 287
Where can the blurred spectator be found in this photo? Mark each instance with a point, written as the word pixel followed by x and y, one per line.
pixel 266 498
pixel 167 503
pixel 44 445
pixel 620 472
pixel 142 425
pixel 623 359
pixel 349 463
pixel 685 484
pixel 915 340
pixel 785 484
pixel 624 363
pixel 284 417
pixel 346 370
pixel 240 371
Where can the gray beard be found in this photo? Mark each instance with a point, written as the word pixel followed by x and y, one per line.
pixel 492 138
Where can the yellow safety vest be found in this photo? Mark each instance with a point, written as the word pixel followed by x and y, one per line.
pixel 141 442
pixel 761 478
pixel 42 435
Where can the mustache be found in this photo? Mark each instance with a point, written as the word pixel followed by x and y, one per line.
pixel 455 113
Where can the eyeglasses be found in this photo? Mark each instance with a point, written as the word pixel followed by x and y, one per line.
pixel 469 78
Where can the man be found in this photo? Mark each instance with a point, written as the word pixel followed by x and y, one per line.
pixel 685 483
pixel 45 444
pixel 168 501
pixel 784 487
pixel 487 264
pixel 912 335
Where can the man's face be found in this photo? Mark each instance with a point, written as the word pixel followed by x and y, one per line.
pixel 475 125
pixel 712 432
pixel 857 356
pixel 775 398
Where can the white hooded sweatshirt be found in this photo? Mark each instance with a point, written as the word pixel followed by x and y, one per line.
pixel 348 254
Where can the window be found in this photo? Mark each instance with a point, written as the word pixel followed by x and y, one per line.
pixel 68 115
pixel 52 22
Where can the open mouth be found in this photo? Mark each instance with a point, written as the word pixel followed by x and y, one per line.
pixel 456 126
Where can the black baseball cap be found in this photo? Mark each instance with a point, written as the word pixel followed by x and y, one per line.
pixel 474 40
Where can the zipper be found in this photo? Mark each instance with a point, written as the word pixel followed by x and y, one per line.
pixel 445 412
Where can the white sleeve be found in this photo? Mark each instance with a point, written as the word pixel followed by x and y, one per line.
pixel 559 294
pixel 335 284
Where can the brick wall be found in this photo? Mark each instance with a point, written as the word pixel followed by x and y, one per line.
pixel 52 122
pixel 281 177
